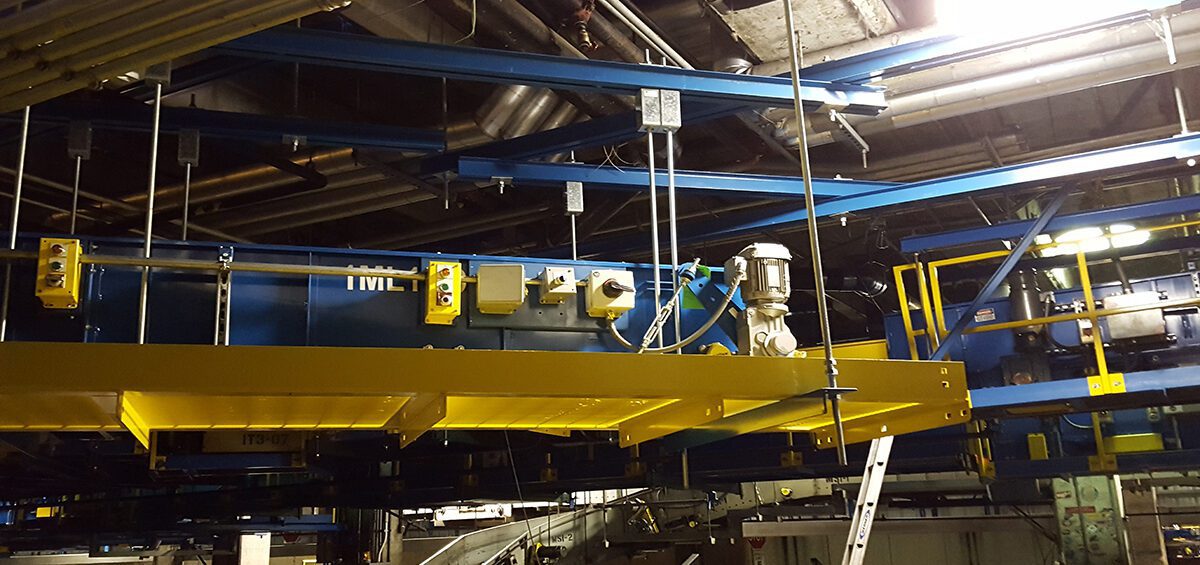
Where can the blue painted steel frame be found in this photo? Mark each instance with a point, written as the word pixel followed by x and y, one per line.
pixel 232 125
pixel 1169 386
pixel 592 176
pixel 1010 230
pixel 1039 173
pixel 1006 266
pixel 488 65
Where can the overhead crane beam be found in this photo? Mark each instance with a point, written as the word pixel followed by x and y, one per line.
pixel 201 387
pixel 628 178
pixel 1011 230
pixel 507 67
pixel 131 116
pixel 1049 172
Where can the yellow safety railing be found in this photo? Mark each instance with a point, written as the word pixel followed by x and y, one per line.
pixel 933 310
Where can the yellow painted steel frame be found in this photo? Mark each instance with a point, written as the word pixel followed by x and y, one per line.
pixel 145 388
pixel 1101 383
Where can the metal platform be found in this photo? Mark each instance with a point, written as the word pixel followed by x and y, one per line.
pixel 144 388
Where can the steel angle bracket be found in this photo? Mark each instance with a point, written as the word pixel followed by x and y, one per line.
pixel 417 416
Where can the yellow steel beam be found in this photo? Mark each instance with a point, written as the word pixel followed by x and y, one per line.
pixel 900 421
pixel 251 370
pixel 188 387
pixel 671 418
pixel 132 419
pixel 417 415
pixel 867 349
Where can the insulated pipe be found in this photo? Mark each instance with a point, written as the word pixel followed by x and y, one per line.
pixel 238 182
pixel 311 201
pixel 110 205
pixel 623 13
pixel 246 22
pixel 563 114
pixel 498 110
pixel 978 88
pixel 401 198
pixel 58 28
pixel 115 35
pixel 38 15
pixel 532 114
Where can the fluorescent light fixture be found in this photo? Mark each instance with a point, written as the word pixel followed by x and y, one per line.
pixel 1130 239
pixel 1094 244
pixel 1043 239
pixel 989 19
pixel 1079 234
pixel 1120 228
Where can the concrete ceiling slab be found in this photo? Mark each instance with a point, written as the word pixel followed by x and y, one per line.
pixel 823 24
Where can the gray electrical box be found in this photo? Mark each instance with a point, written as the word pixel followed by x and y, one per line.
pixel 574 197
pixel 661 110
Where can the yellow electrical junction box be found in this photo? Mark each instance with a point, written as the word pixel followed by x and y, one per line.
pixel 443 293
pixel 58 273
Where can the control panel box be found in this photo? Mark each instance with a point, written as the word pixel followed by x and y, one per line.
pixel 558 285
pixel 610 293
pixel 58 273
pixel 499 289
pixel 443 293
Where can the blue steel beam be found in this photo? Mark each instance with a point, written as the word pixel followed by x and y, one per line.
pixel 1095 164
pixel 1168 386
pixel 137 117
pixel 507 67
pixel 1010 230
pixel 608 130
pixel 593 176
pixel 1014 256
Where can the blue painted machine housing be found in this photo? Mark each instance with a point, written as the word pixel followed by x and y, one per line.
pixel 286 309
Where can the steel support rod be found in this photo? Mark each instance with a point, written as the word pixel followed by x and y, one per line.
pixel 75 192
pixel 993 284
pixel 673 228
pixel 574 243
pixel 145 286
pixel 654 237
pixel 187 195
pixel 15 217
pixel 814 242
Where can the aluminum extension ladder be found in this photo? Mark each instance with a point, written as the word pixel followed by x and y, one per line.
pixel 868 497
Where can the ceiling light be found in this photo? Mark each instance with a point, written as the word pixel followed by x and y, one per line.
pixel 1120 228
pixel 1024 18
pixel 1079 234
pixel 1130 239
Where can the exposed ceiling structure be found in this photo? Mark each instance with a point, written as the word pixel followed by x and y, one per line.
pixel 1111 86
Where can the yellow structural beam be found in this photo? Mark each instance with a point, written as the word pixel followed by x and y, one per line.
pixel 145 388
